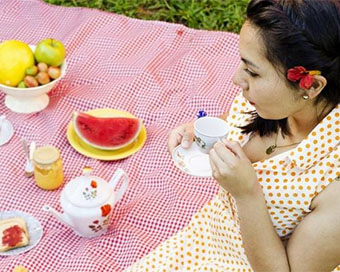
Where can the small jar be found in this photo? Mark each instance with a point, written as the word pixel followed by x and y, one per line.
pixel 48 167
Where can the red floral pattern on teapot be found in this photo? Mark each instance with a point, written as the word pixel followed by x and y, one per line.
pixel 106 209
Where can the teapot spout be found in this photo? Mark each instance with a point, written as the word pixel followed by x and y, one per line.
pixel 60 216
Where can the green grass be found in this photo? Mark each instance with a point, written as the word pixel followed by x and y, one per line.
pixel 225 15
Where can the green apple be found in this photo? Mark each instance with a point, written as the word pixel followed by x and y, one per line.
pixel 50 51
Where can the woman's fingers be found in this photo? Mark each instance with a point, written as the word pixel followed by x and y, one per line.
pixel 223 158
pixel 174 140
pixel 183 134
pixel 188 136
pixel 235 148
pixel 224 152
pixel 214 170
pixel 215 159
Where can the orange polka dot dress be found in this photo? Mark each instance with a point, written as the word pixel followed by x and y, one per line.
pixel 212 240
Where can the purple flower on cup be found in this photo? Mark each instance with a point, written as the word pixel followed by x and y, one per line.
pixel 201 114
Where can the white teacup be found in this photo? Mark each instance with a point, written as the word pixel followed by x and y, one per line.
pixel 208 131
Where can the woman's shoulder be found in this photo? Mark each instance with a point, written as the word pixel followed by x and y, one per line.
pixel 241 104
pixel 239 112
pixel 239 115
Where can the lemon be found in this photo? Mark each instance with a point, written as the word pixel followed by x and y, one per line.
pixel 15 58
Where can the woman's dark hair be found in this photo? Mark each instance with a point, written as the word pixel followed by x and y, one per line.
pixel 298 33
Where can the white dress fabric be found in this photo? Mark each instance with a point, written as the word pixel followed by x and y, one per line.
pixel 212 240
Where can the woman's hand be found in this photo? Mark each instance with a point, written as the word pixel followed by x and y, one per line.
pixel 233 170
pixel 183 134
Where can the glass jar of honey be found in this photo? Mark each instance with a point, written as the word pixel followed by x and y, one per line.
pixel 48 167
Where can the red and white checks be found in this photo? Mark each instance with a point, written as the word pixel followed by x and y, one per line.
pixel 164 74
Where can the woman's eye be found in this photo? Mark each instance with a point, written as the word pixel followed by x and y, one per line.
pixel 250 73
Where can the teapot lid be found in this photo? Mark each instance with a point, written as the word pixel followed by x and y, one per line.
pixel 87 191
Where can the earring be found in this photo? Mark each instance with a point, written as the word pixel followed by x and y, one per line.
pixel 305 97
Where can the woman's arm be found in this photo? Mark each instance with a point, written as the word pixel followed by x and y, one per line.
pixel 315 243
pixel 235 173
pixel 264 248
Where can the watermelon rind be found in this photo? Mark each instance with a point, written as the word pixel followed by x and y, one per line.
pixel 79 134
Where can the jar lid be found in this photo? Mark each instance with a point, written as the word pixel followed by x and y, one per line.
pixel 46 155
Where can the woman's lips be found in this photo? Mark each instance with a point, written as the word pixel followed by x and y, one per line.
pixel 250 102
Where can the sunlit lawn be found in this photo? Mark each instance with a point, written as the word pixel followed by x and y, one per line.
pixel 226 15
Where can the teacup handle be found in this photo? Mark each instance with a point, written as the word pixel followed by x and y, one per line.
pixel 113 182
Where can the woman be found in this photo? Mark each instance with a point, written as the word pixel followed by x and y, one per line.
pixel 278 207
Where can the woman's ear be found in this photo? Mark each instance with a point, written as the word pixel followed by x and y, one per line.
pixel 319 84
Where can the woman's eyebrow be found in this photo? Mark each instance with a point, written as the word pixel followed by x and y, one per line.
pixel 248 62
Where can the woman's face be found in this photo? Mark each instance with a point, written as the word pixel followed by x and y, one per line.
pixel 260 80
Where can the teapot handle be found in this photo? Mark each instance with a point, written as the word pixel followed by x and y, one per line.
pixel 113 182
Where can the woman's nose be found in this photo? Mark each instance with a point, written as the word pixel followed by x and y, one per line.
pixel 239 79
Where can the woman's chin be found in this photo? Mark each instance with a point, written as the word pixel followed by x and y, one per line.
pixel 268 116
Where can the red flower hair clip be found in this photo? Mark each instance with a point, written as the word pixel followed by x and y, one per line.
pixel 300 73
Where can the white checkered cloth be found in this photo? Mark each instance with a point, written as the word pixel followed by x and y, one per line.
pixel 162 73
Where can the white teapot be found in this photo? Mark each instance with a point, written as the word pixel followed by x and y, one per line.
pixel 87 202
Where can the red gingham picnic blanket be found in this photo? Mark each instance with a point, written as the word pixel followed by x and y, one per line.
pixel 162 73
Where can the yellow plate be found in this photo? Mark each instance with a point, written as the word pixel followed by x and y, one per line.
pixel 106 155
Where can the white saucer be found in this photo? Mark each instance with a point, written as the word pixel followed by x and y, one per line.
pixel 34 229
pixel 6 132
pixel 192 161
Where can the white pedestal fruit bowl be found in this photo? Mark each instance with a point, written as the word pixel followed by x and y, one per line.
pixel 30 100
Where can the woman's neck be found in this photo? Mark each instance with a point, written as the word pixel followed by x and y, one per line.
pixel 302 123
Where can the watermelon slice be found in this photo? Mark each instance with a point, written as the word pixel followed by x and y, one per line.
pixel 108 133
